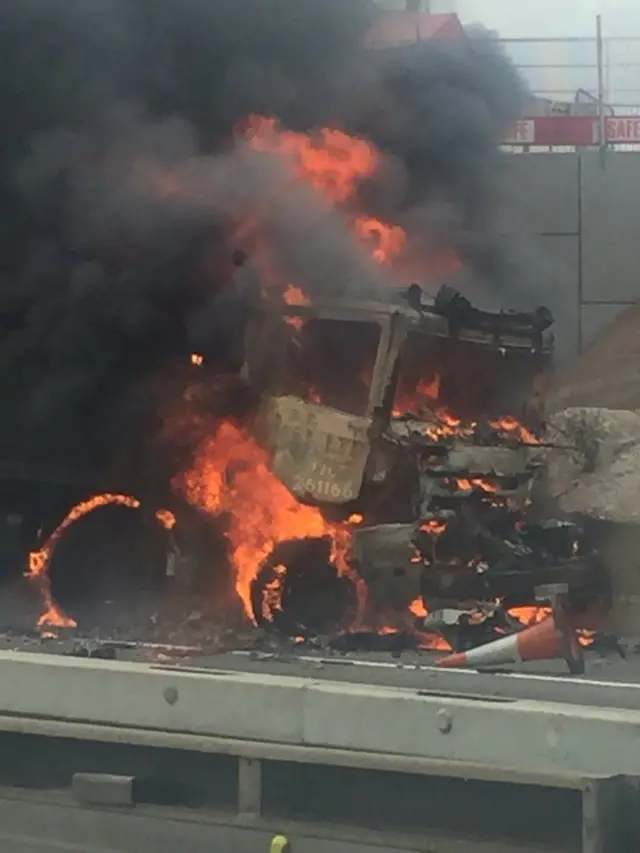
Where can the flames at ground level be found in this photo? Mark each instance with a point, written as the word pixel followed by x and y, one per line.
pixel 39 561
pixel 231 476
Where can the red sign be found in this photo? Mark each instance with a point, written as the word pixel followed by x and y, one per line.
pixel 554 130
pixel 623 129
pixel 578 131
pixel 522 132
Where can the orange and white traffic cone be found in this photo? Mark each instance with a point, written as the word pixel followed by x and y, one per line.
pixel 554 637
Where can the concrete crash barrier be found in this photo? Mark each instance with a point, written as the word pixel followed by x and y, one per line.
pixel 405 724
pixel 499 773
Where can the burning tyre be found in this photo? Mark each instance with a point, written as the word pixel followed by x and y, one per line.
pixel 73 566
pixel 299 591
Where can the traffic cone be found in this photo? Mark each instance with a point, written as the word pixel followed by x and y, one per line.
pixel 554 637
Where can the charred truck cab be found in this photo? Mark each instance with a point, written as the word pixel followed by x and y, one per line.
pixel 419 420
pixel 352 390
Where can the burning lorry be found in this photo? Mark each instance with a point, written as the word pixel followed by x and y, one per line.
pixel 416 423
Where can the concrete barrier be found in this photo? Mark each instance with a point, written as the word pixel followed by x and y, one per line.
pixel 539 737
pixel 225 704
pixel 280 729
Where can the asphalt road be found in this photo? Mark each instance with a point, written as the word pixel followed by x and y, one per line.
pixel 36 822
pixel 609 682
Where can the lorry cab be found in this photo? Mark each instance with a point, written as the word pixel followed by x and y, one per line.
pixel 336 374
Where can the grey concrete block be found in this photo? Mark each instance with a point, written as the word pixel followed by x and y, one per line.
pixel 102 789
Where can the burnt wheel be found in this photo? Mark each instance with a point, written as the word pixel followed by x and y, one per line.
pixel 299 593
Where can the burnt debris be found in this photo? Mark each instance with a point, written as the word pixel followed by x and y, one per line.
pixel 442 520
pixel 462 314
pixel 299 593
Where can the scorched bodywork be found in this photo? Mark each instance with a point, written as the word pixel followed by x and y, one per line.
pixel 418 420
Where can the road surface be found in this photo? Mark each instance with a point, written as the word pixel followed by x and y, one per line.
pixel 41 822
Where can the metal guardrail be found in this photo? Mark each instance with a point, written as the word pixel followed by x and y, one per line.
pixel 574 78
pixel 566 70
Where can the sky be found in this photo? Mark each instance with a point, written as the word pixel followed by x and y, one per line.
pixel 552 18
pixel 558 19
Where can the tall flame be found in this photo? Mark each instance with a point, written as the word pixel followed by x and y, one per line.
pixel 334 164
pixel 231 475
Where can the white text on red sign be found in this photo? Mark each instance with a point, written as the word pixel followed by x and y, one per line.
pixel 623 129
pixel 522 132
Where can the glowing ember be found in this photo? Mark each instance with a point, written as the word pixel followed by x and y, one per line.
pixel 530 615
pixel 231 475
pixel 39 560
pixel 511 425
pixel 295 296
pixel 447 424
pixel 418 609
pixel 196 359
pixel 166 518
pixel 469 485
pixel 295 322
pixel 271 602
pixel 427 641
pixel 434 527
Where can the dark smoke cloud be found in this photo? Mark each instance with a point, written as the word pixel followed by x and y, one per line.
pixel 106 273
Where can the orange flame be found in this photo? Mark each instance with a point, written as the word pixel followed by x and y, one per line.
pixel 196 359
pixel 166 518
pixel 232 475
pixel 39 560
pixel 334 164
pixel 530 615
pixel 295 296
pixel 386 241
pixel 330 160
pixel 434 527
pixel 510 424
pixel 425 393
pixel 469 485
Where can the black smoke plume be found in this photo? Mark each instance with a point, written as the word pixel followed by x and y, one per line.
pixel 104 284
